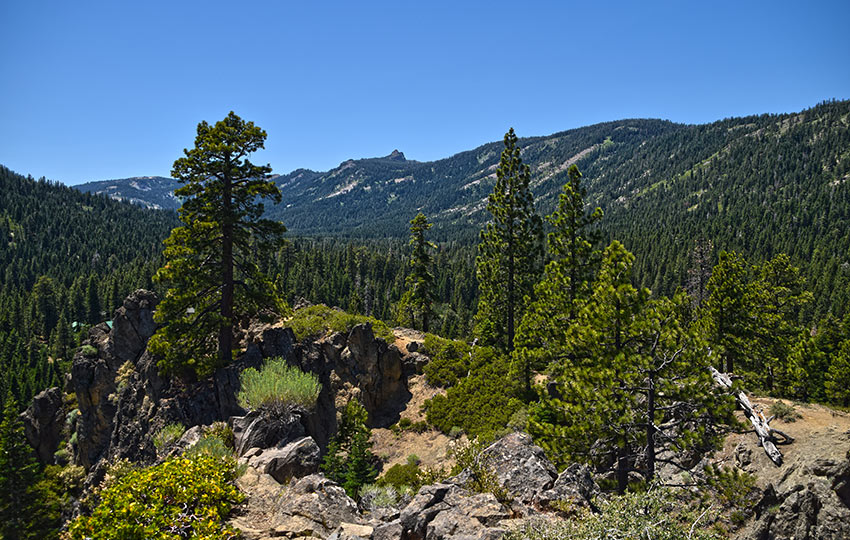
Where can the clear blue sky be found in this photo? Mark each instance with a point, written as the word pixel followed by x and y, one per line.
pixel 100 90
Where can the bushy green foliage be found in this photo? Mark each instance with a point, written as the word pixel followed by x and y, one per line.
pixel 209 445
pixel 222 432
pixel 654 514
pixel 315 321
pixel 179 498
pixel 277 386
pixel 482 403
pixel 731 487
pixel 168 435
pixel 89 350
pixel 400 475
pixel 449 363
pixel 349 460
pixel 28 509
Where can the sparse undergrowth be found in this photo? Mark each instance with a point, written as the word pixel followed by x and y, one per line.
pixel 652 515
pixel 168 435
pixel 315 321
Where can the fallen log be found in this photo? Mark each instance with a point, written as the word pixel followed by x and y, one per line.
pixel 766 434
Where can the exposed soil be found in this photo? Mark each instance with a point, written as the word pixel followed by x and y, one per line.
pixel 821 432
pixel 430 446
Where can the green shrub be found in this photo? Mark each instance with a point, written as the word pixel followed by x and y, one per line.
pixel 480 404
pixel 168 435
pixel 456 432
pixel 783 411
pixel 449 363
pixel 89 351
pixel 400 475
pixel 316 321
pixel 380 496
pixel 209 445
pixel 653 514
pixel 223 432
pixel 731 487
pixel 179 498
pixel 277 386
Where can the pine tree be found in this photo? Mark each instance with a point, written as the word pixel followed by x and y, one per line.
pixel 638 381
pixel 24 514
pixel 837 384
pixel 419 297
pixel 212 266
pixel 93 308
pixel 509 252
pixel 566 280
pixel 348 460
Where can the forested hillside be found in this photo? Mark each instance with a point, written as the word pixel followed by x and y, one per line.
pixel 67 260
pixel 759 184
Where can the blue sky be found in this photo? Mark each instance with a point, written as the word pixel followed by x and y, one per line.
pixel 100 90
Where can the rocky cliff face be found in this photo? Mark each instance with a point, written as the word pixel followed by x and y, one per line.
pixel 123 400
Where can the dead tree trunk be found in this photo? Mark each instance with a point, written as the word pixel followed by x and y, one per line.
pixel 760 423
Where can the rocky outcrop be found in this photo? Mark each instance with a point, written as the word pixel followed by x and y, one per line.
pixel 258 430
pixel 294 460
pixel 43 422
pixel 313 506
pixel 811 502
pixel 574 486
pixel 521 466
pixel 447 511
pixel 95 367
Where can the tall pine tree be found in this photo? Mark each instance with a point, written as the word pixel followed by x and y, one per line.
pixel 510 250
pixel 566 281
pixel 419 297
pixel 212 261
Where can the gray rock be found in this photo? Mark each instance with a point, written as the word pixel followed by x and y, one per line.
pixel 313 506
pixel 93 377
pixel 575 485
pixel 261 430
pixel 296 459
pixel 447 511
pixel 43 422
pixel 352 531
pixel 807 503
pixel 389 531
pixel 521 467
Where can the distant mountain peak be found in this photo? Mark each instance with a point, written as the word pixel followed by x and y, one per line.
pixel 396 156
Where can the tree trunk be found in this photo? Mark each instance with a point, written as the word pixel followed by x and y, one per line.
pixel 225 330
pixel 622 470
pixel 650 429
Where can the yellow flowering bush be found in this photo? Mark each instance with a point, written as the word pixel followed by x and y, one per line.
pixel 179 498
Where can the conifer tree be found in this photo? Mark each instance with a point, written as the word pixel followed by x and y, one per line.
pixel 509 252
pixel 566 279
pixel 24 514
pixel 638 381
pixel 92 301
pixel 419 297
pixel 212 263
pixel 348 460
